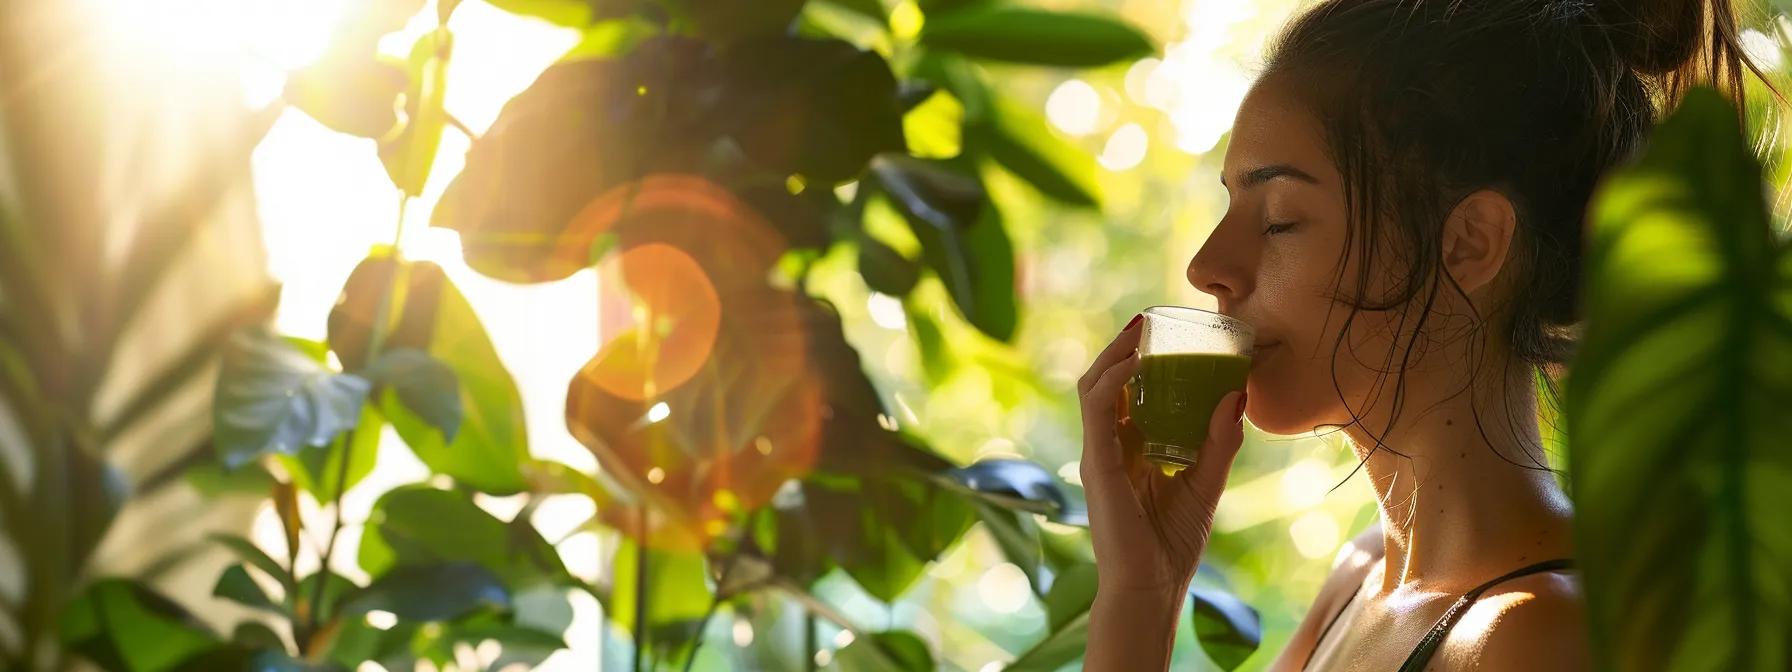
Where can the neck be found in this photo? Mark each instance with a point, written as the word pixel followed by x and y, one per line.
pixel 1460 498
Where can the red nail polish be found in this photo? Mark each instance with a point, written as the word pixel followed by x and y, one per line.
pixel 1135 322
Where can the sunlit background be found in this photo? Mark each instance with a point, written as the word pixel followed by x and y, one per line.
pixel 1156 129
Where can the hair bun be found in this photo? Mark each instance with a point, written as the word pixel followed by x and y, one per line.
pixel 1654 37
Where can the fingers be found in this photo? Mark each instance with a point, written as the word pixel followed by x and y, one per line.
pixel 1122 347
pixel 1101 445
pixel 1225 433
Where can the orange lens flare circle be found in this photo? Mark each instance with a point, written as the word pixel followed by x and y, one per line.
pixel 681 315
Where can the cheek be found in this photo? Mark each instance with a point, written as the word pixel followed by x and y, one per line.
pixel 1292 388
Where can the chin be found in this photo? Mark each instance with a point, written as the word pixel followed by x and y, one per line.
pixel 1277 410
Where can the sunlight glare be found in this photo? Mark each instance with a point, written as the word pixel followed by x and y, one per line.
pixel 660 411
pixel 1762 49
pixel 1304 483
pixel 743 632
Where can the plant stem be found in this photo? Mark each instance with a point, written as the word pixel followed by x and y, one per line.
pixel 715 601
pixel 641 639
pixel 317 593
pixel 809 643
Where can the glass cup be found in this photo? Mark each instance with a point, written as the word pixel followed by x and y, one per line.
pixel 1189 360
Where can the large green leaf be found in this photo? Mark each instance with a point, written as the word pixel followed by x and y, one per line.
pixel 883 530
pixel 419 525
pixel 886 270
pixel 409 156
pixel 728 21
pixel 236 585
pixel 976 263
pixel 570 13
pixel 428 313
pixel 819 108
pixel 1072 593
pixel 354 93
pixel 677 593
pixel 319 471
pixel 424 385
pixel 248 552
pixel 122 625
pixel 1229 630
pixel 889 651
pixel 430 592
pixel 271 398
pixel 1676 407
pixel 1023 35
pixel 1018 139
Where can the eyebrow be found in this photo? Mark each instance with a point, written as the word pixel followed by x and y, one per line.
pixel 1256 176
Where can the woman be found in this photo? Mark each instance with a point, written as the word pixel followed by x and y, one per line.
pixel 1408 180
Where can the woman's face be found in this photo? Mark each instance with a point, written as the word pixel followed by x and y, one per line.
pixel 1273 261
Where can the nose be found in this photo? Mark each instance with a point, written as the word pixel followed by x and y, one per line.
pixel 1219 268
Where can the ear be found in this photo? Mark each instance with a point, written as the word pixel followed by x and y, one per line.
pixel 1477 237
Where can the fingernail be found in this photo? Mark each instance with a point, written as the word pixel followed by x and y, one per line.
pixel 1135 322
pixel 1241 399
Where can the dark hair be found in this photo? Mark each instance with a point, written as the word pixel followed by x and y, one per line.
pixel 1426 101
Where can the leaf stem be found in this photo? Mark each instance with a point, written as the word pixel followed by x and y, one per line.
pixel 809 643
pixel 641 638
pixel 323 575
pixel 462 127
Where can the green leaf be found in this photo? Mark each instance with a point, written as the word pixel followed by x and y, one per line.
pixel 122 625
pixel 424 384
pixel 936 358
pixel 1018 139
pixel 252 554
pixel 818 108
pixel 409 156
pixel 236 585
pixel 1036 37
pixel 976 263
pixel 430 592
pixel 930 191
pixel 429 314
pixel 351 93
pixel 1681 471
pixel 934 8
pixel 610 39
pixel 419 525
pixel 1229 630
pixel 254 635
pixel 730 21
pixel 884 532
pixel 1015 535
pixel 302 600
pixel 871 9
pixel 1072 593
pixel 889 651
pixel 211 480
pixel 272 398
pixel 275 661
pixel 885 270
pixel 1060 646
pixel 1014 480
pixel 319 471
pixel 569 13
pixel 677 590
pixel 934 126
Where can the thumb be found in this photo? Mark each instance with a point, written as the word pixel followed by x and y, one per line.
pixel 1225 433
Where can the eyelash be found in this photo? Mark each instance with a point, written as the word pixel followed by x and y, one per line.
pixel 1278 227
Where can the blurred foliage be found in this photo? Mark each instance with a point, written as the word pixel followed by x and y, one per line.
pixel 865 270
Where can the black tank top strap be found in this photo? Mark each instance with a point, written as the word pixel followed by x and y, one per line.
pixel 1435 638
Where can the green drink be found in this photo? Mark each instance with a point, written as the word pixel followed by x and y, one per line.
pixel 1173 397
pixel 1189 360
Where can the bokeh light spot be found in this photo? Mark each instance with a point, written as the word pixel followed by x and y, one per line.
pixel 1315 534
pixel 1004 588
pixel 656 475
pixel 887 311
pixel 743 632
pixel 1074 107
pixel 660 411
pixel 1126 148
pixel 1305 483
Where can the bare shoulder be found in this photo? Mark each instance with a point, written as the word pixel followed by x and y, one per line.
pixel 1537 622
pixel 1354 561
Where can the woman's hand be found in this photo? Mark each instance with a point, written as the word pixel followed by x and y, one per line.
pixel 1149 529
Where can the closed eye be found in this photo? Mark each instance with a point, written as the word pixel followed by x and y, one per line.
pixel 1278 227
